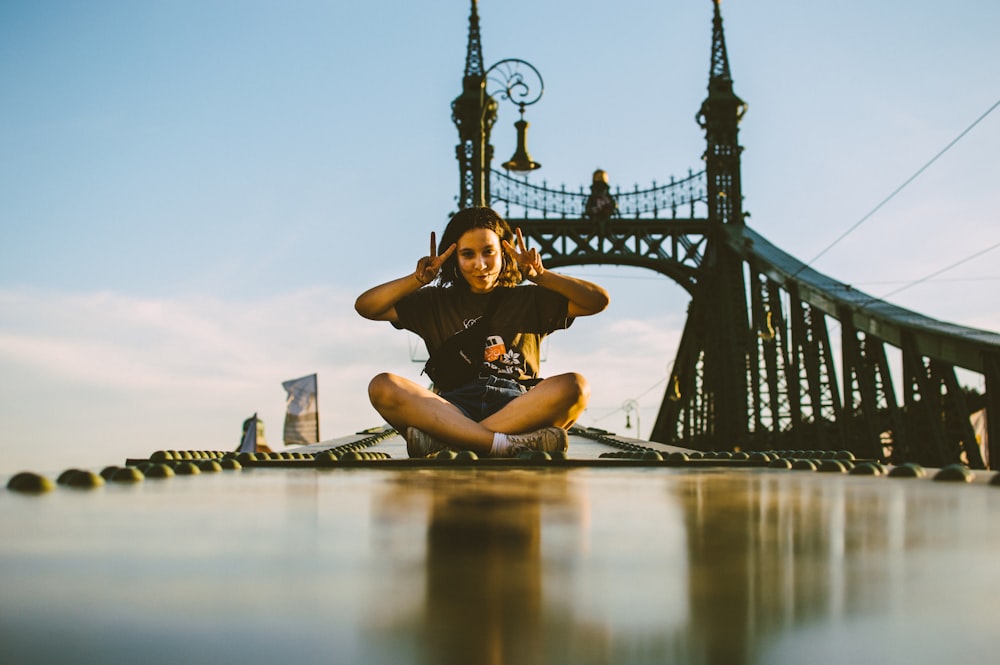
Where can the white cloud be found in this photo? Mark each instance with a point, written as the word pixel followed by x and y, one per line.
pixel 91 379
pixel 90 374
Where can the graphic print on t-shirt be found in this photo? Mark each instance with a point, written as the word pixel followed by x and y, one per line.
pixel 494 348
pixel 501 360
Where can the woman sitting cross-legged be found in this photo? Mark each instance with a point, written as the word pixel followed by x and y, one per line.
pixel 500 407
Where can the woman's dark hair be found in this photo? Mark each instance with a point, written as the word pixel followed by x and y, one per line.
pixel 477 218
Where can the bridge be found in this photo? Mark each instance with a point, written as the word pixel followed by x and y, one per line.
pixel 625 550
pixel 756 367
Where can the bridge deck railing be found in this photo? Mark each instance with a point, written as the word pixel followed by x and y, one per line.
pixel 677 198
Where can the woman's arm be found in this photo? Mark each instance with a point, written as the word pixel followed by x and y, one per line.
pixel 585 298
pixel 379 302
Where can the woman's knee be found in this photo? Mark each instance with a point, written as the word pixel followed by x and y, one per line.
pixel 383 388
pixel 575 388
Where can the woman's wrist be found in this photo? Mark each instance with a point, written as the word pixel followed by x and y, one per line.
pixel 537 276
pixel 422 282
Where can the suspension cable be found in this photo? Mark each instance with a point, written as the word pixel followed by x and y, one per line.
pixel 900 188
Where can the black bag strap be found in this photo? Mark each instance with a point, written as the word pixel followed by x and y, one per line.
pixel 483 323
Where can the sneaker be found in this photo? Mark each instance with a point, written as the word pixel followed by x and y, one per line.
pixel 422 444
pixel 549 440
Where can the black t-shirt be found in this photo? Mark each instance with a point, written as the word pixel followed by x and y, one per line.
pixel 524 316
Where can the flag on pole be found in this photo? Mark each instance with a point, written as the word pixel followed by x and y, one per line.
pixel 302 414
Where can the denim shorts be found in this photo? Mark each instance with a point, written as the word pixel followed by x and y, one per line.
pixel 485 396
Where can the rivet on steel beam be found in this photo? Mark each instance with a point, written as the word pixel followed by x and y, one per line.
pixel 30 483
pixel 539 456
pixel 327 458
pixel 831 466
pixel 908 470
pixel 85 480
pixel 955 473
pixel 63 477
pixel 466 456
pixel 127 474
pixel 867 469
pixel 159 471
pixel 186 469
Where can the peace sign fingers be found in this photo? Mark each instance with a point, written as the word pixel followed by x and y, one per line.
pixel 429 266
pixel 528 260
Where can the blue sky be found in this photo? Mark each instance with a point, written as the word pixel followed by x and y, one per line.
pixel 193 193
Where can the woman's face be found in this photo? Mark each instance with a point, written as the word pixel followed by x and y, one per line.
pixel 480 259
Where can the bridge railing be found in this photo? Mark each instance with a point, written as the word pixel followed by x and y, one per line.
pixel 685 198
pixel 927 416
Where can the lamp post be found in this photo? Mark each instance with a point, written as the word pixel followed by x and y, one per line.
pixel 515 78
pixel 631 406
pixel 475 111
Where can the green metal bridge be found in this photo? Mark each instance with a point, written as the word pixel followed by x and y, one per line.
pixel 756 367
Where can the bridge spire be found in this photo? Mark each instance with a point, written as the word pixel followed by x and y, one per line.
pixel 474 113
pixel 719 116
pixel 474 51
pixel 719 71
pixel 710 381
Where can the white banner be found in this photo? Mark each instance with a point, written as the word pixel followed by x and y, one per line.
pixel 302 412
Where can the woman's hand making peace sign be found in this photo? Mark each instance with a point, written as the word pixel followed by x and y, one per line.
pixel 429 266
pixel 529 261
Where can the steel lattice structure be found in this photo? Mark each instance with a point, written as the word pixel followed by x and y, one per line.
pixel 757 367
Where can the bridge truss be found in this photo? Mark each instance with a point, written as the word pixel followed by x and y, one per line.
pixel 884 387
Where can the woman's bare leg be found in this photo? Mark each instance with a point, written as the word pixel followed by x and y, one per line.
pixel 556 401
pixel 404 403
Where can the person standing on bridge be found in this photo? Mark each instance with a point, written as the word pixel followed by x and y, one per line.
pixel 493 403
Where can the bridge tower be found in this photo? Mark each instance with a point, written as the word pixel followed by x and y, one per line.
pixel 474 113
pixel 707 398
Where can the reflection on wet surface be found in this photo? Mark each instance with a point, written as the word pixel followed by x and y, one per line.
pixel 502 566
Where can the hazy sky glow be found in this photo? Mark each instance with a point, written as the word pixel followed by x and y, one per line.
pixel 192 193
